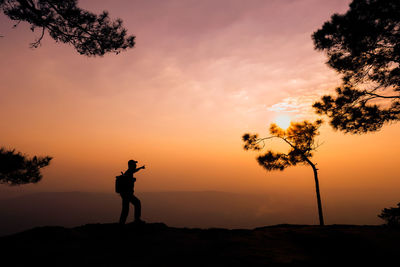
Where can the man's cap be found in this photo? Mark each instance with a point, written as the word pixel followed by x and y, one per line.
pixel 132 161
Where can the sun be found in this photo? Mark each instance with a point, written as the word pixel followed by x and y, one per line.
pixel 283 121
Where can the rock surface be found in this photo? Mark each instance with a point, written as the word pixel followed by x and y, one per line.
pixel 155 244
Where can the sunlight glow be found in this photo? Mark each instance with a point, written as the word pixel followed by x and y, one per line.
pixel 283 121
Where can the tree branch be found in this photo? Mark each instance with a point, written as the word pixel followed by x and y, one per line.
pixel 74 24
pixel 382 96
pixel 37 43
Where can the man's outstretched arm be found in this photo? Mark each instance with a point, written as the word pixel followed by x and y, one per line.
pixel 138 169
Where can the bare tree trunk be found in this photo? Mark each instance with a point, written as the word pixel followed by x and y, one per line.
pixel 321 216
pixel 315 170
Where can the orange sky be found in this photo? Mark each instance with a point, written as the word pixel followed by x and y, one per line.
pixel 201 74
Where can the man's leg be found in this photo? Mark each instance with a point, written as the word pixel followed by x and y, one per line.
pixel 138 207
pixel 125 209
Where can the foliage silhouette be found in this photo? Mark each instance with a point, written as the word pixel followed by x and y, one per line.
pixel 18 169
pixel 364 46
pixel 300 137
pixel 90 34
pixel 391 215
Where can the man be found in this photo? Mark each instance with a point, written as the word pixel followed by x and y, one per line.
pixel 127 194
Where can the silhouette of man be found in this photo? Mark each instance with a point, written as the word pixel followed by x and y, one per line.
pixel 128 196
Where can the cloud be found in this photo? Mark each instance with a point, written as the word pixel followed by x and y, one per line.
pixel 301 106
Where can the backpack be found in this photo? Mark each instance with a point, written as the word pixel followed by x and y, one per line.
pixel 123 183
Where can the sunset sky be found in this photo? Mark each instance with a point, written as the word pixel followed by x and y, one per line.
pixel 201 74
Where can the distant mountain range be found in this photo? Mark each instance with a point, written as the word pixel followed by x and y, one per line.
pixel 177 209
